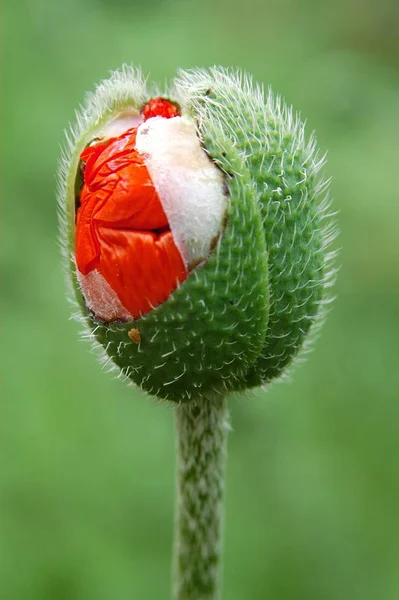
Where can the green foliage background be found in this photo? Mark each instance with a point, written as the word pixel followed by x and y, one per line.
pixel 87 481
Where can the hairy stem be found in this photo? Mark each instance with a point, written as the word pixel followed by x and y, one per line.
pixel 201 447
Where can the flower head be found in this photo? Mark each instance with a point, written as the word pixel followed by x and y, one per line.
pixel 193 221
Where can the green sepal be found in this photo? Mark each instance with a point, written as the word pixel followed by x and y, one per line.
pixel 284 169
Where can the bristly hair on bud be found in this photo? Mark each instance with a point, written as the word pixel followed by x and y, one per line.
pixel 241 192
pixel 294 199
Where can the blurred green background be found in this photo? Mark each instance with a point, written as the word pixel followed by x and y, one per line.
pixel 87 481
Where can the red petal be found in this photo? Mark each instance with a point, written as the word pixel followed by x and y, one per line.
pixel 122 230
pixel 134 203
pixel 159 107
pixel 143 268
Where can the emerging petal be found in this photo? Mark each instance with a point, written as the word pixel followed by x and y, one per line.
pixel 122 232
pixel 150 209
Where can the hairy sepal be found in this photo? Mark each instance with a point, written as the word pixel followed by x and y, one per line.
pixel 292 198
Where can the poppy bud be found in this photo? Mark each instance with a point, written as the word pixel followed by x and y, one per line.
pixel 193 231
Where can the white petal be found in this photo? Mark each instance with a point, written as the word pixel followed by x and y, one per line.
pixel 188 183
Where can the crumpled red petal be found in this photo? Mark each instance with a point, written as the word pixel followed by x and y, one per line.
pixel 159 107
pixel 121 228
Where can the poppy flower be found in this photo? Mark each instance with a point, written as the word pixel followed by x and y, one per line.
pixel 198 227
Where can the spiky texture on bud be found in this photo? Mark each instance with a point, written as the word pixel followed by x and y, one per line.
pixel 256 298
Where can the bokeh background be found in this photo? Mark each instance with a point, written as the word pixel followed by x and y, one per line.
pixel 87 481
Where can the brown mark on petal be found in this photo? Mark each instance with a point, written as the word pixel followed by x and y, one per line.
pixel 134 335
pixel 78 184
pixel 194 264
pixel 96 140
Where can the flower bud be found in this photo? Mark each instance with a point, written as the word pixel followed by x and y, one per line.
pixel 193 231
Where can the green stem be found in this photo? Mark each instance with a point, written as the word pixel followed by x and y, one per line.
pixel 201 446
